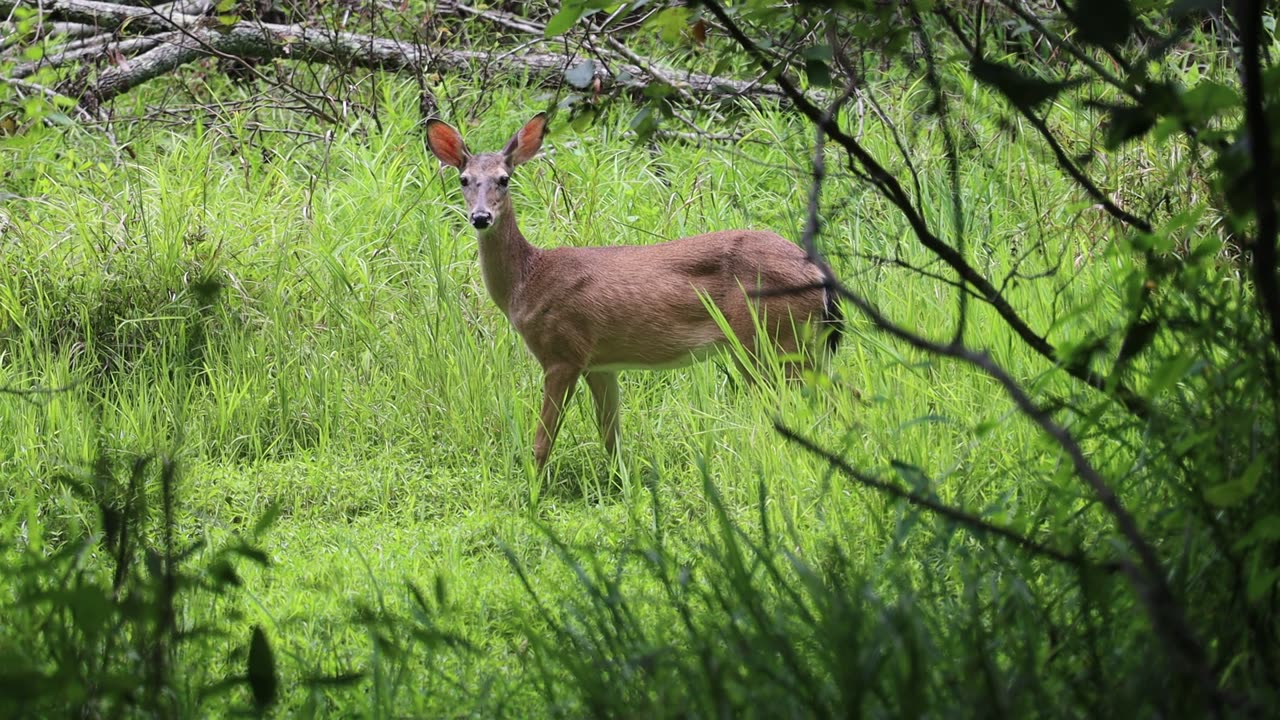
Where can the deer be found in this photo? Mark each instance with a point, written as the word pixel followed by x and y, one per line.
pixel 592 312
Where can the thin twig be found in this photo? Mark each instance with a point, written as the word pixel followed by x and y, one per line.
pixel 969 520
pixel 892 190
pixel 38 394
pixel 1148 578
pixel 1066 163
pixel 953 163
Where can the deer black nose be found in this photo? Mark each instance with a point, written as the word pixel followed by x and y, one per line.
pixel 482 219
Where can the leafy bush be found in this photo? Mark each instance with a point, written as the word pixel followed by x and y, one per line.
pixel 96 622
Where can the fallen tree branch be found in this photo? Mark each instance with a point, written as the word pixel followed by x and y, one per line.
pixel 11 36
pixel 125 47
pixel 515 22
pixel 32 88
pixel 112 16
pixel 189 37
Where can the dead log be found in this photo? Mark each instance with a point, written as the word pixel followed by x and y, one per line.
pixel 185 37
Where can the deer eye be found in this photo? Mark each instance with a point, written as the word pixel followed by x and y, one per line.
pixel 465 181
pixel 503 180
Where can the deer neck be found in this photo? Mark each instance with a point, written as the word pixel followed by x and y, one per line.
pixel 505 257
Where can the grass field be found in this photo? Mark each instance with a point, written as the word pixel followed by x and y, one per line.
pixel 353 372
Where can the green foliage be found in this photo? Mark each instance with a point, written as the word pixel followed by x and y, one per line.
pixel 571 11
pixel 752 629
pixel 298 316
pixel 96 622
pixel 1025 91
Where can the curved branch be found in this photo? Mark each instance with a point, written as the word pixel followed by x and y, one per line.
pixel 201 36
pixel 969 520
pixel 892 189
pixel 1148 576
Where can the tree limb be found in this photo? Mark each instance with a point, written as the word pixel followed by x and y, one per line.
pixel 204 36
pixel 892 190
pixel 969 520
pixel 124 47
pixel 1264 248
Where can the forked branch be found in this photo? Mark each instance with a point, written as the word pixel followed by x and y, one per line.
pixel 889 187
pixel 181 38
pixel 967 519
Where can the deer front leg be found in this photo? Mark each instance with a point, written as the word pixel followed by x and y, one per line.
pixel 557 387
pixel 604 391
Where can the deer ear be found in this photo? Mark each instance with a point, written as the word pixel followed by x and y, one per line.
pixel 526 143
pixel 445 143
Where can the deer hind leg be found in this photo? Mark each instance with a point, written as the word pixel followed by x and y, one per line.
pixel 604 391
pixel 557 388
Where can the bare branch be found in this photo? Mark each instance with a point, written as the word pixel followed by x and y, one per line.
pixel 38 394
pixel 48 93
pixel 1066 163
pixel 124 47
pixel 1264 248
pixel 892 190
pixel 969 520
pixel 1148 578
pixel 204 36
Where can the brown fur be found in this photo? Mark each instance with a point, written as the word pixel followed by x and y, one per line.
pixel 594 311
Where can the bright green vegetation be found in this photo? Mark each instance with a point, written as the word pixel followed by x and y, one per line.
pixel 353 371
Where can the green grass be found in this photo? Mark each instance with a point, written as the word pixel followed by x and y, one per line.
pixel 353 371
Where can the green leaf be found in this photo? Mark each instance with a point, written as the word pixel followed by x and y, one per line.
pixel 1266 529
pixel 985 427
pixel 1235 492
pixel 645 122
pixel 1165 127
pixel 818 52
pixel 1261 582
pixel 818 72
pixel 1126 122
pixel 564 19
pixel 658 90
pixel 1022 90
pixel 419 599
pixel 670 23
pixel 269 517
pixel 252 554
pixel 1225 495
pixel 221 687
pixel 1104 23
pixel 1207 100
pixel 912 475
pixel 442 593
pixel 583 120
pixel 1205 248
pixel 262 670
pixel 581 75
pixel 1168 373
pixel 223 574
